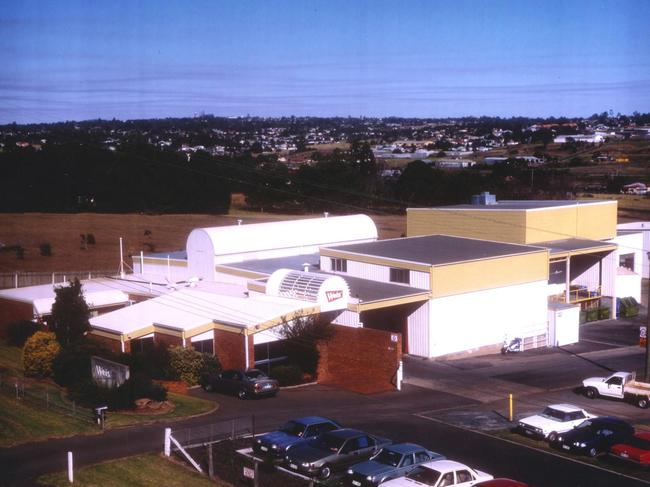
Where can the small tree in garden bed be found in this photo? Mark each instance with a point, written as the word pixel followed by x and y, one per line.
pixel 302 336
pixel 70 313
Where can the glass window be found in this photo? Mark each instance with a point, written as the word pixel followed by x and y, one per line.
pixel 408 460
pixel 399 275
pixel 294 429
pixel 387 457
pixel 339 265
pixel 427 476
pixel 463 476
pixel 447 479
pixel 615 381
pixel 421 456
pixel 363 442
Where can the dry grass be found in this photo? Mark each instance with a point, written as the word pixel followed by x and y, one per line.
pixel 167 233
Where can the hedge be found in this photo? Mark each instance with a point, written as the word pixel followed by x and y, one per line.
pixel 39 353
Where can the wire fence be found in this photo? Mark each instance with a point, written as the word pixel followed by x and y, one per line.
pixel 45 398
pixel 231 429
pixel 22 279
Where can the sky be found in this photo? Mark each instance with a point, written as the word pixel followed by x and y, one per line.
pixel 85 59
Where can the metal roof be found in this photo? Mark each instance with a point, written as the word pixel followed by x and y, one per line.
pixel 436 249
pixel 368 291
pixel 269 266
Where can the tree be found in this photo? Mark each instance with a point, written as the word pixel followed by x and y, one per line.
pixel 302 336
pixel 70 313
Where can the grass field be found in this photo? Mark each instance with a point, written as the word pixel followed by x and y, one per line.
pixel 29 419
pixel 138 471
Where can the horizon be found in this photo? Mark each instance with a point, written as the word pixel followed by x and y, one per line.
pixel 74 61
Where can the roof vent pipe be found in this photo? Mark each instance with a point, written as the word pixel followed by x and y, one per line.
pixel 305 267
pixel 326 214
pixel 239 221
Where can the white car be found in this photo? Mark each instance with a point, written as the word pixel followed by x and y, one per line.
pixel 556 418
pixel 440 473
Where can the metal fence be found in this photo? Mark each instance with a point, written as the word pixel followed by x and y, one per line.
pixel 231 429
pixel 23 279
pixel 44 398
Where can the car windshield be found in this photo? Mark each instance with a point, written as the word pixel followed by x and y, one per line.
pixel 553 414
pixel 424 475
pixel 294 429
pixel 255 374
pixel 328 442
pixel 586 425
pixel 388 457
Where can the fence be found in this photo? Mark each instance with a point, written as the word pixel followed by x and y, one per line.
pixel 225 447
pixel 23 279
pixel 43 397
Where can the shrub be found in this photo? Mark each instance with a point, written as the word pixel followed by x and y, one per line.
pixel 583 316
pixel 153 361
pixel 628 307
pixel 592 314
pixel 287 375
pixel 603 313
pixel 185 364
pixel 39 353
pixel 19 331
pixel 123 397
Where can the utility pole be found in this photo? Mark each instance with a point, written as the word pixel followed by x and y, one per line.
pixel 647 332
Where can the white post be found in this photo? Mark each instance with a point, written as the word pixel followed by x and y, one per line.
pixel 121 259
pixel 169 272
pixel 246 349
pixel 70 471
pixel 141 262
pixel 400 375
pixel 168 442
pixel 16 279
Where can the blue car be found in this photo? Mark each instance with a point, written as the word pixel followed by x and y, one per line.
pixel 274 445
pixel 391 462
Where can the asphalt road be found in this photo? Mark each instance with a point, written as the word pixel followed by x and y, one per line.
pixel 416 414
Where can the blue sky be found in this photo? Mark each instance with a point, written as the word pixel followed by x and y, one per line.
pixel 75 60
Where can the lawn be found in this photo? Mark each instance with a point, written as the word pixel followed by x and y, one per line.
pixel 30 419
pixel 142 470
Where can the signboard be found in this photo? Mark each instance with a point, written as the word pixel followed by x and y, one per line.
pixel 249 473
pixel 108 373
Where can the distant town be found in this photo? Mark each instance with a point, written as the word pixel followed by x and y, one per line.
pixel 309 163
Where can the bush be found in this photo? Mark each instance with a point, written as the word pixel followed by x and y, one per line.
pixel 123 397
pixel 583 316
pixel 592 314
pixel 153 361
pixel 287 375
pixel 19 331
pixel 603 313
pixel 39 353
pixel 628 307
pixel 185 364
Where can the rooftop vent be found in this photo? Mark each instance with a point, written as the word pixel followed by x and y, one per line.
pixel 484 198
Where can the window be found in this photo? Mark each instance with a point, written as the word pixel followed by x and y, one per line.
pixel 626 260
pixel 339 265
pixel 408 460
pixel 463 476
pixel 421 457
pixel 447 479
pixel 615 381
pixel 399 275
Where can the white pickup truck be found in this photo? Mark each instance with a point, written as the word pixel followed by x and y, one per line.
pixel 621 385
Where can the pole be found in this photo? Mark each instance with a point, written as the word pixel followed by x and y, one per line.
pixel 647 329
pixel 210 464
pixel 256 482
pixel 121 259
pixel 70 471
pixel 168 442
pixel 510 415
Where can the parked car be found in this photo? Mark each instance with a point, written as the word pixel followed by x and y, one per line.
pixel 554 419
pixel 243 383
pixel 391 462
pixel 333 451
pixel 440 473
pixel 274 445
pixel 501 483
pixel 635 449
pixel 594 436
pixel 620 385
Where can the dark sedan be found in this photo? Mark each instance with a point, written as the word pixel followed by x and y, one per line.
pixel 391 462
pixel 594 436
pixel 242 383
pixel 274 445
pixel 333 451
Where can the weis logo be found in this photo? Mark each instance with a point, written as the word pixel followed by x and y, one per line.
pixel 333 295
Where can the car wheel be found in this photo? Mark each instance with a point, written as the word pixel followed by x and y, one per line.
pixel 552 436
pixel 592 452
pixel 591 393
pixel 642 402
pixel 325 472
pixel 241 394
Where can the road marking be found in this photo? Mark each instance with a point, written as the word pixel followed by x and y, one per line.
pixel 574 460
pixel 616 345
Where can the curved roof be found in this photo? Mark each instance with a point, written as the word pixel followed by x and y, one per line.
pixel 237 239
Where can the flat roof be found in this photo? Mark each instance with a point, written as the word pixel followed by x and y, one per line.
pixel 269 266
pixel 517 205
pixel 437 249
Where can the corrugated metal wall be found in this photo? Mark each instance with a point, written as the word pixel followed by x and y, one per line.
pixel 418 331
pixel 347 318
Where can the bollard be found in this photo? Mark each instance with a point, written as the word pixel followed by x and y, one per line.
pixel 168 441
pixel 210 462
pixel 510 416
pixel 70 471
